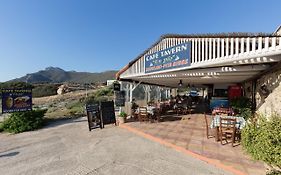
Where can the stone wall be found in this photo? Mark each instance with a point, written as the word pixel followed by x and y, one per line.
pixel 268 93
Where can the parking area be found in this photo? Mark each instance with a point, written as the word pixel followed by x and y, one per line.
pixel 67 147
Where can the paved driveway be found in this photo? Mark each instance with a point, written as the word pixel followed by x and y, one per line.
pixel 67 147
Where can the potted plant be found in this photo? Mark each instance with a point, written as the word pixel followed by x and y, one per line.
pixel 122 117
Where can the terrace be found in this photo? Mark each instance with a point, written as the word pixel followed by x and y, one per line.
pixel 190 134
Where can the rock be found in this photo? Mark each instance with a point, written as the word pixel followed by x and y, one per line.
pixel 62 89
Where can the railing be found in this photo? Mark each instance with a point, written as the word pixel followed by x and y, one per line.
pixel 213 51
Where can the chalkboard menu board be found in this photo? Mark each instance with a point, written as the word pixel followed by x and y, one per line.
pixel 116 86
pixel 93 115
pixel 107 112
pixel 120 98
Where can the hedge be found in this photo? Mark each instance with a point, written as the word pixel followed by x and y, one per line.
pixel 262 139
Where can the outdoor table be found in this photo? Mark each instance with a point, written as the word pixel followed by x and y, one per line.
pixel 222 110
pixel 150 109
pixel 240 123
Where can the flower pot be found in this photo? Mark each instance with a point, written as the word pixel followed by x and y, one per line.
pixel 122 120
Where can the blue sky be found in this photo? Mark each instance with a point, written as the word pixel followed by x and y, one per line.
pixel 98 35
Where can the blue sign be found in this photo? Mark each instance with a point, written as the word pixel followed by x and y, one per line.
pixel 173 57
pixel 16 100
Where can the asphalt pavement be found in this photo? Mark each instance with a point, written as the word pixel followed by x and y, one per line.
pixel 67 147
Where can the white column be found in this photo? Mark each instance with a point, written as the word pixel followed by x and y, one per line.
pixel 127 89
pixel 131 92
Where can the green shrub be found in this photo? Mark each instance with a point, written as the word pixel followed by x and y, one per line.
pixel 274 172
pixel 262 139
pixel 76 108
pixel 241 102
pixel 1 127
pixel 24 121
pixel 123 114
pixel 44 90
pixel 104 92
pixel 89 100
pixel 242 106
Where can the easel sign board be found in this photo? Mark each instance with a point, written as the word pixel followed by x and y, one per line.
pixel 93 116
pixel 107 112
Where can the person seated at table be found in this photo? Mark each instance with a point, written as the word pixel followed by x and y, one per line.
pixel 178 99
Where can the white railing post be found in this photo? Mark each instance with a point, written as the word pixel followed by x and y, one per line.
pixel 227 47
pixel 273 43
pixel 248 45
pixel 242 45
pixel 199 50
pixel 222 47
pixel 231 47
pixel 210 48
pixel 214 48
pixel 266 42
pixel 193 51
pixel 203 49
pixel 253 44
pixel 206 49
pixel 236 46
pixel 196 50
pixel 218 48
pixel 259 44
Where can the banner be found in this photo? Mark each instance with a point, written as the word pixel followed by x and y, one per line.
pixel 15 100
pixel 173 57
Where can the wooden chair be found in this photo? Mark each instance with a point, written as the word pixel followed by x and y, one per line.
pixel 227 129
pixel 208 129
pixel 143 114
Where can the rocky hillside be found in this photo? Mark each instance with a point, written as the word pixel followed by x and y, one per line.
pixel 58 75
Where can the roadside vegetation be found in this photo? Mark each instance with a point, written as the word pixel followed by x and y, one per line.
pixel 23 121
pixel 51 107
pixel 261 138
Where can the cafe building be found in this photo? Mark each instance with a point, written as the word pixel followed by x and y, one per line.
pixel 217 68
pixel 222 66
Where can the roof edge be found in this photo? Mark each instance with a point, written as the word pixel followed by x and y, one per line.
pixel 207 35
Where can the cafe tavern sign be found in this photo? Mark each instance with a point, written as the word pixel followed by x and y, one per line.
pixel 173 57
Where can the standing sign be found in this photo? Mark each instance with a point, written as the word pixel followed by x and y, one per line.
pixel 173 57
pixel 119 98
pixel 16 100
pixel 107 112
pixel 93 115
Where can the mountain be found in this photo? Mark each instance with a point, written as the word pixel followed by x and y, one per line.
pixel 58 75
